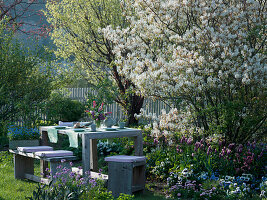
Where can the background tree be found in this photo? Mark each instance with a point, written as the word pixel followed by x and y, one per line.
pixel 25 80
pixel 210 54
pixel 24 16
pixel 76 25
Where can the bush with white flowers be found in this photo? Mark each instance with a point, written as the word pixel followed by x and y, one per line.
pixel 209 54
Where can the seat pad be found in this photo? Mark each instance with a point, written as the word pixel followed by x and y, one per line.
pixel 124 158
pixel 34 149
pixel 57 153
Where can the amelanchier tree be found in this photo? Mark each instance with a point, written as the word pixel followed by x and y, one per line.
pixel 211 54
pixel 77 36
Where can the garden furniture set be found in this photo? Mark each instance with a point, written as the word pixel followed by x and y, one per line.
pixel 126 174
pixel 24 161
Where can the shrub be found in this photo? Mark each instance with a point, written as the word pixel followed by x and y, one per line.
pixel 25 80
pixel 209 56
pixel 61 108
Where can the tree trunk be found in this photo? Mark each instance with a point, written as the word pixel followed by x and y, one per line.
pixel 134 107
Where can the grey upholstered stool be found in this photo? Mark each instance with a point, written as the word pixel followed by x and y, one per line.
pixel 126 174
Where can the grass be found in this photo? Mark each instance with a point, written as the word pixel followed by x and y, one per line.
pixel 13 189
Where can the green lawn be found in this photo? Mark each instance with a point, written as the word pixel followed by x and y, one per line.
pixel 13 189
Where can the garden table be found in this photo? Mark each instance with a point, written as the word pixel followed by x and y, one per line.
pixel 89 142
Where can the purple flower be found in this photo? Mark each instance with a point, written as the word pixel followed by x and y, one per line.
pixel 72 174
pixel 228 151
pixel 209 150
pixel 59 166
pixel 197 145
pixel 261 154
pixel 182 140
pixel 230 146
pixel 240 148
pixel 156 141
pixel 178 148
pixel 189 141
pixel 101 116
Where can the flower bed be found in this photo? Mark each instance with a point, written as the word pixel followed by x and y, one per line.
pixel 22 136
pixel 22 133
pixel 207 168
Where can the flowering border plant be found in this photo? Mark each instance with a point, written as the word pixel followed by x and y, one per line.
pixel 22 133
pixel 71 185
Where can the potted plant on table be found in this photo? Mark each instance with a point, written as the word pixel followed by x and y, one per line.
pixel 22 136
pixel 96 112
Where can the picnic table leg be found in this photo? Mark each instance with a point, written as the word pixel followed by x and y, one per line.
pixel 85 153
pixel 138 145
pixel 44 164
pixel 22 165
pixel 93 155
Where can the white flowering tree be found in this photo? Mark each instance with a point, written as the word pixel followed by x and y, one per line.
pixel 76 25
pixel 211 54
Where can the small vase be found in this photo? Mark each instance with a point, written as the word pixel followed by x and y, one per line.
pixel 109 122
pixel 98 123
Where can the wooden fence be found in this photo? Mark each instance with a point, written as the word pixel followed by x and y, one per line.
pixel 80 94
pixel 150 106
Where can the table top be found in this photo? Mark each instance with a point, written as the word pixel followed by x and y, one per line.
pixel 101 133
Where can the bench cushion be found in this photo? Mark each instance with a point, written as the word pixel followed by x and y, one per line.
pixel 35 149
pixel 124 158
pixel 57 153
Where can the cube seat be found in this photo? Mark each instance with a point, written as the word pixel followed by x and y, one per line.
pixel 126 174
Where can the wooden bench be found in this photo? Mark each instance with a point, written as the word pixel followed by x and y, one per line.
pixel 126 174
pixel 24 163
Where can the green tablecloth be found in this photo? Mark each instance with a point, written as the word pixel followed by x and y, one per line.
pixel 73 138
pixel 52 135
pixel 72 134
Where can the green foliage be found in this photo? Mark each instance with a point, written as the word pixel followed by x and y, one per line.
pixel 6 158
pixel 25 80
pixel 239 119
pixel 61 108
pixel 77 35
